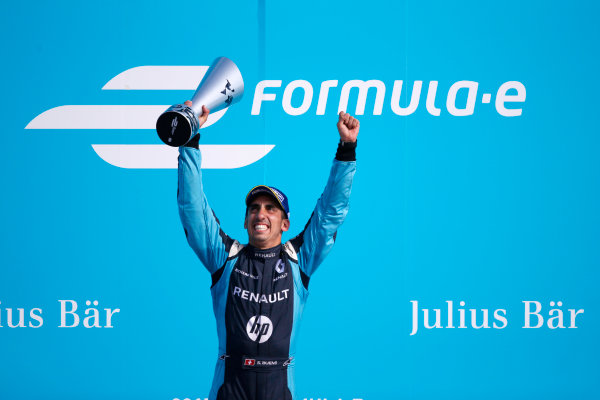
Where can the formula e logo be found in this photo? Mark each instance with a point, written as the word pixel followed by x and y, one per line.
pixel 129 117
pixel 259 328
pixel 174 126
pixel 229 97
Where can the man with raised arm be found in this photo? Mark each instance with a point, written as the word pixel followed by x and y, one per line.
pixel 259 289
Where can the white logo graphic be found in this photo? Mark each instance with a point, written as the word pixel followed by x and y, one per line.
pixel 259 328
pixel 125 117
pixel 279 196
pixel 280 266
pixel 511 92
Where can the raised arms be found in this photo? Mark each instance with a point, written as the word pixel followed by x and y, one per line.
pixel 317 238
pixel 202 228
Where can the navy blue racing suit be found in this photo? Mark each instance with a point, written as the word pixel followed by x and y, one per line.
pixel 258 295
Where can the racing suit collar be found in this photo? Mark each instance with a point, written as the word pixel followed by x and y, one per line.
pixel 262 254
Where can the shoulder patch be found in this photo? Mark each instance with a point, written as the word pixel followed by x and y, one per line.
pixel 235 249
pixel 290 251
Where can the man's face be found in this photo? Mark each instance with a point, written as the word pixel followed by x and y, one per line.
pixel 265 222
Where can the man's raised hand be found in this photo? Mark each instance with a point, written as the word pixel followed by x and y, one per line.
pixel 202 118
pixel 348 127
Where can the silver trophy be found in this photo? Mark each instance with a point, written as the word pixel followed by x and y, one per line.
pixel 221 86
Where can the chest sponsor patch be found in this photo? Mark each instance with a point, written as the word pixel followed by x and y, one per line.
pixel 246 274
pixel 260 298
pixel 259 328
pixel 280 266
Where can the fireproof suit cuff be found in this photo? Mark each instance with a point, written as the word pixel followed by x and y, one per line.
pixel 194 142
pixel 346 151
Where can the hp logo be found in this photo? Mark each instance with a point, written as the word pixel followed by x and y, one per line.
pixel 259 328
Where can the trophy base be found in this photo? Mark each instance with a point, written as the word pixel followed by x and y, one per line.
pixel 177 125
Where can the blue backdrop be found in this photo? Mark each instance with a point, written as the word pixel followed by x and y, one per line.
pixel 487 209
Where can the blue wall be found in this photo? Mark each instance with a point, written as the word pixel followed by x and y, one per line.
pixel 487 209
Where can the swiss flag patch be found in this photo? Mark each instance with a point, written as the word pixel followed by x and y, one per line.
pixel 249 361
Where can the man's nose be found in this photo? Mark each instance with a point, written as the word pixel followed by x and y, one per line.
pixel 262 212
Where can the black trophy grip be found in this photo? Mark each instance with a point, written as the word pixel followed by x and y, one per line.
pixel 173 128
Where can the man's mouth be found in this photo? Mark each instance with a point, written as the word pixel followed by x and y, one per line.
pixel 260 227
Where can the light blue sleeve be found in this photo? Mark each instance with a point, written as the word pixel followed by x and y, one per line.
pixel 317 239
pixel 201 227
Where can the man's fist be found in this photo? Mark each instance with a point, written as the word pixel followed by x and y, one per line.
pixel 348 127
pixel 202 118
